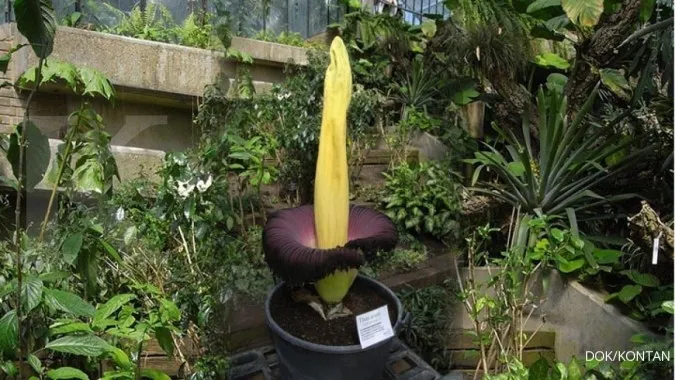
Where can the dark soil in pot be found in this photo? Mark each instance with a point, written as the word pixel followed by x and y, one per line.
pixel 303 322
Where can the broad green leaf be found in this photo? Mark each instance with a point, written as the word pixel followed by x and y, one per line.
pixel 9 332
pixel 31 293
pixel 562 370
pixel 647 10
pixel 37 153
pixel 54 276
pixel 96 83
pixel 607 256
pixel 569 266
pixel 541 4
pixel 429 28
pixel 169 311
pixel 557 234
pixel 556 82
pixel 544 32
pixel 644 279
pixel 36 20
pixel 5 58
pixel 66 327
pixel 164 339
pixel 85 345
pixel 465 92
pixel 8 288
pixel 538 370
pixel 639 339
pixel 111 250
pixel 69 302
pixel 557 23
pixel 245 156
pixel 516 168
pixel 27 78
pixel 53 70
pixel 64 373
pixel 583 12
pixel 667 306
pixel 154 374
pixel 628 292
pixel 34 363
pixel 120 358
pixel 552 60
pixel 465 96
pixel 89 176
pixel 107 309
pixel 119 374
pixel 616 82
pixel 71 247
pixel 628 365
pixel 574 370
pixel 9 368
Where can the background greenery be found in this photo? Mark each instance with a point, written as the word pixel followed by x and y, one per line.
pixel 577 141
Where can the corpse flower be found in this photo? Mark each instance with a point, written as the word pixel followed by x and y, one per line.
pixel 325 244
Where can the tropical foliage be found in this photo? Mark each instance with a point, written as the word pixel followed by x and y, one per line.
pixel 571 162
pixel 573 159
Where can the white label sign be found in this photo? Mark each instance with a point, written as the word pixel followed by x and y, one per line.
pixel 655 250
pixel 374 326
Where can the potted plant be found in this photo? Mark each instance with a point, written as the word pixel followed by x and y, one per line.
pixel 317 250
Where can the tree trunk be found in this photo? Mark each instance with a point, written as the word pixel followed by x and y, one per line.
pixel 599 51
pixel 202 12
pixel 516 100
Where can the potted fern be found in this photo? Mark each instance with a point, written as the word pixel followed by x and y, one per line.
pixel 317 250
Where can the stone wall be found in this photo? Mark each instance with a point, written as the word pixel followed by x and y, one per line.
pixel 158 88
pixel 158 85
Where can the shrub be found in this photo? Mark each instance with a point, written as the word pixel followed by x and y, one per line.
pixel 423 198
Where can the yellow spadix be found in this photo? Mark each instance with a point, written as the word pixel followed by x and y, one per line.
pixel 331 186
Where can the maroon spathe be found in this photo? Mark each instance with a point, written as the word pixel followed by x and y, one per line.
pixel 289 242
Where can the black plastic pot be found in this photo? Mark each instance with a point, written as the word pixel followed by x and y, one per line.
pixel 302 360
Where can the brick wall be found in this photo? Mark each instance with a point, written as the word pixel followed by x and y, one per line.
pixel 11 103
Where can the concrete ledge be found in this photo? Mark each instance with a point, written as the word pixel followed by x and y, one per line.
pixel 138 68
pixel 583 321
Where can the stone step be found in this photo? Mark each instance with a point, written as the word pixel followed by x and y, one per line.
pixel 134 163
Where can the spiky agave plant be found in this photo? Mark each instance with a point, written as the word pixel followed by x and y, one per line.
pixel 325 244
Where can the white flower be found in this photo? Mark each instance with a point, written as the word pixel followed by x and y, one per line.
pixel 202 186
pixel 184 188
pixel 284 95
pixel 119 215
